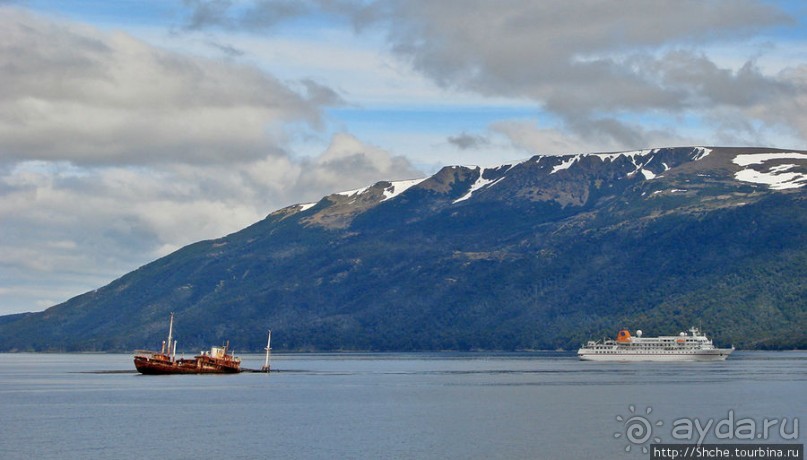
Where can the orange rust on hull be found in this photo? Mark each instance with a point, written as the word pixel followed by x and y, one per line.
pixel 215 361
pixel 148 366
pixel 201 364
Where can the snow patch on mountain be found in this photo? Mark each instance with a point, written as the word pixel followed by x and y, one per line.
pixel 776 177
pixel 399 187
pixel 747 159
pixel 648 175
pixel 637 157
pixel 701 153
pixel 483 182
pixel 355 192
pixel 647 162
pixel 480 183
pixel 394 189
pixel 566 164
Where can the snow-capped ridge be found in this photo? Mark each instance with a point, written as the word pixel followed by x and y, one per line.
pixel 398 187
pixel 746 159
pixel 482 182
pixel 699 153
pixel 354 192
pixel 394 189
pixel 645 164
pixel 776 177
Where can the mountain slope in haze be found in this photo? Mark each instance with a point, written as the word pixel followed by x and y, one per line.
pixel 541 254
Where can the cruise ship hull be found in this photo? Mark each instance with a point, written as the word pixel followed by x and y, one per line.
pixel 682 347
pixel 677 356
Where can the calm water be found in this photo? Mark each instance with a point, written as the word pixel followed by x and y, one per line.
pixel 510 406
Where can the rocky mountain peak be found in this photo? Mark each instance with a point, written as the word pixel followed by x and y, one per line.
pixel 543 253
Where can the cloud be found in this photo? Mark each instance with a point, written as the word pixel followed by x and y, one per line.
pixel 73 93
pixel 65 225
pixel 226 49
pixel 465 141
pixel 592 65
pixel 596 68
pixel 79 226
pixel 207 13
pixel 348 163
pixel 548 140
pixel 114 152
pixel 525 135
pixel 257 15
pixel 788 111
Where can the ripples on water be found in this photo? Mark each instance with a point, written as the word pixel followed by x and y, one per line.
pixel 441 405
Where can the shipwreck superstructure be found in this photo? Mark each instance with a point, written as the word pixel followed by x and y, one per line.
pixel 215 361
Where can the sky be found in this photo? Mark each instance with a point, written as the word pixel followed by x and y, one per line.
pixel 131 128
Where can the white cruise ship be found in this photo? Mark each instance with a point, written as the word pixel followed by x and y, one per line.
pixel 682 347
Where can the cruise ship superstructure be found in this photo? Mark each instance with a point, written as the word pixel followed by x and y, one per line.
pixel 682 347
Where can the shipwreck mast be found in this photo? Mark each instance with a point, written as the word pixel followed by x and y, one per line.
pixel 170 336
pixel 268 349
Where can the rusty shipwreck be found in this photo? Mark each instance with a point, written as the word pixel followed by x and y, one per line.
pixel 215 361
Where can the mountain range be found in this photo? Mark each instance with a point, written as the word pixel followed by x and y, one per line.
pixel 541 254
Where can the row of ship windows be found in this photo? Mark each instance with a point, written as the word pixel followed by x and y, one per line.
pixel 651 351
pixel 687 339
pixel 655 346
